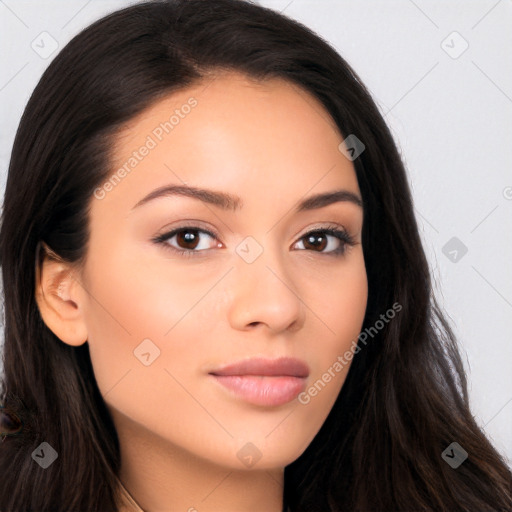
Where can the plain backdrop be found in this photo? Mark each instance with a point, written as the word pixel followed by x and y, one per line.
pixel 441 75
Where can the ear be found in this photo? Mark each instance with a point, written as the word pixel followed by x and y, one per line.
pixel 59 297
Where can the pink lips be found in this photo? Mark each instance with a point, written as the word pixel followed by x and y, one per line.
pixel 267 382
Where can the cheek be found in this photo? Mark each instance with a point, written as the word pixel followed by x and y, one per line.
pixel 135 308
pixel 341 307
pixel 351 300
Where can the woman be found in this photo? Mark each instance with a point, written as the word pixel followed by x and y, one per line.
pixel 230 306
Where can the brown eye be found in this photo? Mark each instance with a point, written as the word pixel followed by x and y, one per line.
pixel 314 241
pixel 320 239
pixel 187 240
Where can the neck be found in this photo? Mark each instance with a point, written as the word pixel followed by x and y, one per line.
pixel 161 476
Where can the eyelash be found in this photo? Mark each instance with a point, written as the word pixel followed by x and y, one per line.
pixel 341 234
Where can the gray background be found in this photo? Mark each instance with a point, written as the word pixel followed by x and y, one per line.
pixel 450 110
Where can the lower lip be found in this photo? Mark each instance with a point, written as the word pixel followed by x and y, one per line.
pixel 263 390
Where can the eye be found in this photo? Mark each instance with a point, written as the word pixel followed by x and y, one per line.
pixel 188 240
pixel 318 240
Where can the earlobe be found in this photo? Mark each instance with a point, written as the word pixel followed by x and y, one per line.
pixel 59 298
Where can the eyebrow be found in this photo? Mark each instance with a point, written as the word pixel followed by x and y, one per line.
pixel 232 202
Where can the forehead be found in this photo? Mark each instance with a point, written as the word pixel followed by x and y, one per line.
pixel 263 138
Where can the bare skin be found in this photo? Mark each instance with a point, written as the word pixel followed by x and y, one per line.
pixel 184 437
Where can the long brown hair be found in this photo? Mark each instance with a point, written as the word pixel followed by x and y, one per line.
pixel 405 398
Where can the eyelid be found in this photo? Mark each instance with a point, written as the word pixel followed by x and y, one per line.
pixel 167 235
pixel 337 231
pixel 189 224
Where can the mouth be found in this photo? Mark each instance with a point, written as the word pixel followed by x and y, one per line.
pixel 264 382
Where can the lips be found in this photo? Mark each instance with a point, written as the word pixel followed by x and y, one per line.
pixel 264 382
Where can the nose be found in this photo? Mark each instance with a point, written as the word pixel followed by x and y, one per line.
pixel 264 296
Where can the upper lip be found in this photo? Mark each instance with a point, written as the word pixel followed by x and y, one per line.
pixel 284 366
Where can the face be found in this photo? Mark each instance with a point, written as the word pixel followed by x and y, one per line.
pixel 212 317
